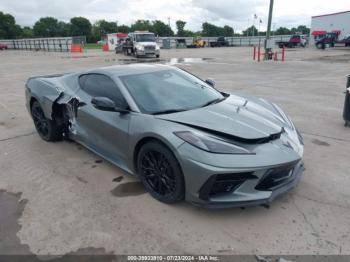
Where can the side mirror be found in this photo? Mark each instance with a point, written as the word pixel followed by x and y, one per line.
pixel 210 82
pixel 106 104
pixel 103 103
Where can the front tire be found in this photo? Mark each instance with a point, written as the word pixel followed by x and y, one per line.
pixel 319 46
pixel 160 173
pixel 47 129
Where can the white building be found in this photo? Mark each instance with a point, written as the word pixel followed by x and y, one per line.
pixel 336 22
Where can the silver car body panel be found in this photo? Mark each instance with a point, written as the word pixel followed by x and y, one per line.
pixel 253 122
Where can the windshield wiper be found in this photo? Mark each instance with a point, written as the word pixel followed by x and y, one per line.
pixel 215 101
pixel 168 111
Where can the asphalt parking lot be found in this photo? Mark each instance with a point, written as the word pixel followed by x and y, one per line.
pixel 59 198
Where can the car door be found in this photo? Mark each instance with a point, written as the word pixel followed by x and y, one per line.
pixel 104 132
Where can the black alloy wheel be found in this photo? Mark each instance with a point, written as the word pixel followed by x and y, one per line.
pixel 160 173
pixel 46 128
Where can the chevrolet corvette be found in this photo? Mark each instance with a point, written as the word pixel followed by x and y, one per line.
pixel 182 137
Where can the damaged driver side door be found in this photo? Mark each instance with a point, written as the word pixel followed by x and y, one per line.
pixel 104 132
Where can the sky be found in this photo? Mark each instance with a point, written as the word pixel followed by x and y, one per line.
pixel 235 13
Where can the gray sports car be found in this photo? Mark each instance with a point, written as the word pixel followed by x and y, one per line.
pixel 180 135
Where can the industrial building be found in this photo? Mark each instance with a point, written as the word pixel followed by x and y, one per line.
pixel 336 22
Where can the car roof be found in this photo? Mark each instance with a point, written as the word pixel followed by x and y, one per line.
pixel 130 69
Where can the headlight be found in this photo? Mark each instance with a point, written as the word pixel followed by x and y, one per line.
pixel 140 47
pixel 211 144
pixel 157 47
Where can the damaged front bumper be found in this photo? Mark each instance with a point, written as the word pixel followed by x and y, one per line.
pixel 225 201
pixel 215 186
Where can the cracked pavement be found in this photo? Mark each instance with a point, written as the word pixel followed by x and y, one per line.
pixel 74 201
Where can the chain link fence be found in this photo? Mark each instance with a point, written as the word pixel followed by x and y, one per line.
pixel 233 41
pixel 63 44
pixel 54 44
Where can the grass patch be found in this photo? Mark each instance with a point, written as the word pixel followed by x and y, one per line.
pixel 92 46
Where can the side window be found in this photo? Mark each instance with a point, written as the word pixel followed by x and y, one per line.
pixel 97 85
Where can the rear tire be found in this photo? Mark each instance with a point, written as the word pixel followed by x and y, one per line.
pixel 160 173
pixel 47 129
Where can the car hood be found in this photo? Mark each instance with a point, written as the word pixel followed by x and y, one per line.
pixel 242 118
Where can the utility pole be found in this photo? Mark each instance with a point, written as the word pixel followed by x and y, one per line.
pixel 255 18
pixel 259 21
pixel 253 25
pixel 268 32
pixel 248 28
pixel 169 25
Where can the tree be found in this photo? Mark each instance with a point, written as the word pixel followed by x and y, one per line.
pixel 282 31
pixel 8 27
pixel 63 29
pixel 228 30
pixel 80 26
pixel 142 25
pixel 161 29
pixel 46 27
pixel 105 27
pixel 123 28
pixel 189 33
pixel 102 27
pixel 181 31
pixel 27 32
pixel 180 25
pixel 293 30
pixel 211 30
pixel 250 31
pixel 303 29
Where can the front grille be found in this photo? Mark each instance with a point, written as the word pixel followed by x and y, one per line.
pixel 223 184
pixel 276 177
pixel 150 47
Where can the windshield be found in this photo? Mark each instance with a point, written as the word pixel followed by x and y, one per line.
pixel 145 38
pixel 169 90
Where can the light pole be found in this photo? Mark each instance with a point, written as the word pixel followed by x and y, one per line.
pixel 255 18
pixel 268 32
pixel 169 26
pixel 259 21
pixel 248 28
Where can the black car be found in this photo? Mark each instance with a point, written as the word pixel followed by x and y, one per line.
pixel 221 41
